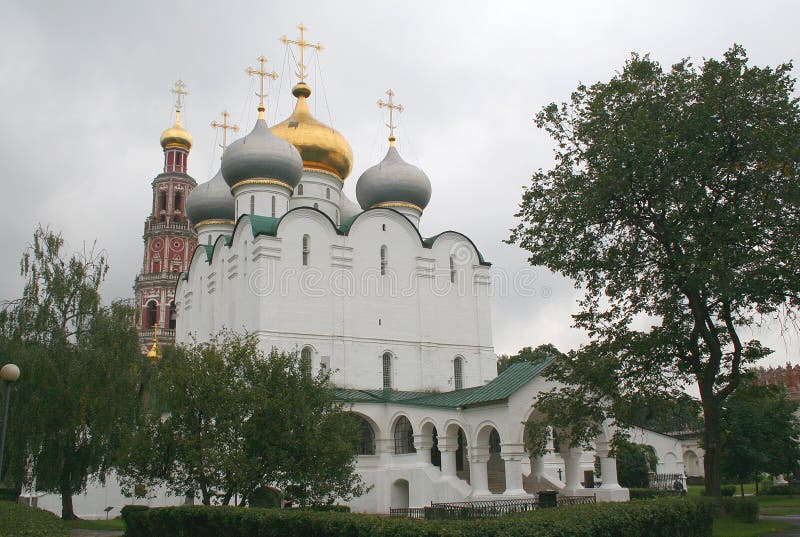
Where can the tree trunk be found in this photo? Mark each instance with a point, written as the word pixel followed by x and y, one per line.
pixel 741 487
pixel 67 512
pixel 711 437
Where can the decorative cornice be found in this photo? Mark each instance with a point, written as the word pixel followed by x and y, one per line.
pixel 214 222
pixel 393 204
pixel 264 181
pixel 322 168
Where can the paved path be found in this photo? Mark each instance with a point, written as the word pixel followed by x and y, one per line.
pixel 94 533
pixel 790 519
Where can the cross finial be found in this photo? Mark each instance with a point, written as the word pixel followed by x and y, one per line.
pixel 392 107
pixel 262 73
pixel 302 45
pixel 225 126
pixel 180 91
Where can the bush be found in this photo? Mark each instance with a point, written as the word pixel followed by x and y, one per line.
pixel 126 511
pixel 744 509
pixel 780 490
pixel 9 494
pixel 728 490
pixel 666 517
pixel 21 521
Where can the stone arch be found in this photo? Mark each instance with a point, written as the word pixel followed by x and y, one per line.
pixel 488 443
pixel 455 432
pixel 368 431
pixel 430 435
pixel 691 463
pixel 403 435
pixel 400 494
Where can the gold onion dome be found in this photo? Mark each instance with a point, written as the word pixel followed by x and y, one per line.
pixel 321 147
pixel 176 135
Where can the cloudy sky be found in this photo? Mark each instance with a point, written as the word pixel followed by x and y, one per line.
pixel 85 95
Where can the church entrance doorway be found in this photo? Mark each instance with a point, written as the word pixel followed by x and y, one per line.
pixel 400 494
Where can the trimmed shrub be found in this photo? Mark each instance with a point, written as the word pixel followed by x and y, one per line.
pixel 665 517
pixel 728 490
pixel 649 494
pixel 126 511
pixel 744 509
pixel 323 508
pixel 22 521
pixel 780 490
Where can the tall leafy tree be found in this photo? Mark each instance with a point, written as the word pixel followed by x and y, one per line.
pixel 81 363
pixel 528 354
pixel 674 199
pixel 761 434
pixel 229 419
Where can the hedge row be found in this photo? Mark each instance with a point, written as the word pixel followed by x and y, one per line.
pixel 657 518
pixel 21 521
pixel 781 490
pixel 649 494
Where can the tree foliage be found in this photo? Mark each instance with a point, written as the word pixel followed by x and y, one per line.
pixel 80 363
pixel 673 201
pixel 527 354
pixel 229 419
pixel 635 462
pixel 760 433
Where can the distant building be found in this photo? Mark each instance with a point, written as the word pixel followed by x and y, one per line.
pixel 788 376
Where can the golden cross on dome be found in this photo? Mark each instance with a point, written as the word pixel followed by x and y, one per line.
pixel 262 73
pixel 225 126
pixel 180 91
pixel 302 44
pixel 392 107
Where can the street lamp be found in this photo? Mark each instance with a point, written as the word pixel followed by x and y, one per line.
pixel 8 373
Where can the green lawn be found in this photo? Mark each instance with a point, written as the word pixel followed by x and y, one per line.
pixel 114 524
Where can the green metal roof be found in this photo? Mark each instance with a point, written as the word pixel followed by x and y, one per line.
pixel 209 251
pixel 263 225
pixel 496 390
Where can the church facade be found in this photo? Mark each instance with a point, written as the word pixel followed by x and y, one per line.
pixel 401 321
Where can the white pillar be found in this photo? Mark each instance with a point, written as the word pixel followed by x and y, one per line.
pixel 572 469
pixel 608 467
pixel 478 474
pixel 537 468
pixel 448 447
pixel 512 455
pixel 423 444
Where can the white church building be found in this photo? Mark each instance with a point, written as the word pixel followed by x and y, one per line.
pixel 401 321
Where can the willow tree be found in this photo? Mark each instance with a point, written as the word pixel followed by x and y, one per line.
pixel 673 198
pixel 77 396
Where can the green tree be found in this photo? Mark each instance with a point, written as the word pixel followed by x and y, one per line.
pixel 760 434
pixel 81 370
pixel 673 198
pixel 634 462
pixel 527 354
pixel 229 419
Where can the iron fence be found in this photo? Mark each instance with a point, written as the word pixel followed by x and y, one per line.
pixel 666 481
pixel 482 509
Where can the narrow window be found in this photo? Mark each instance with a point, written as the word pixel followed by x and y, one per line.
pixel 387 371
pixel 384 260
pixel 328 193
pixel 305 361
pixel 252 204
pixel 299 190
pixel 458 373
pixel 273 206
pixel 366 445
pixel 383 226
pixel 316 205
pixel 403 437
pixel 151 314
pixel 172 316
pixel 177 204
pixel 306 250
pixel 452 269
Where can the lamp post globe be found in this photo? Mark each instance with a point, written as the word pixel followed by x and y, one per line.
pixel 9 374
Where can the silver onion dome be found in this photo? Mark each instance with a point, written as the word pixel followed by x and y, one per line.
pixel 261 155
pixel 211 200
pixel 392 181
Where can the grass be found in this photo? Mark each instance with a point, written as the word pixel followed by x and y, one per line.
pixel 725 527
pixel 113 524
pixel 20 521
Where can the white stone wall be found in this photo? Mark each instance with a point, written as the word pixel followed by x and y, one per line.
pixel 341 305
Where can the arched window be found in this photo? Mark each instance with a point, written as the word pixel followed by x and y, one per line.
pixel 327 193
pixel 306 250
pixel 305 360
pixel 366 444
pixel 299 190
pixel 384 259
pixel 316 205
pixel 403 436
pixel 273 206
pixel 452 269
pixel 162 201
pixel 252 204
pixel 458 373
pixel 494 441
pixel 177 203
pixel 151 314
pixel 387 370
pixel 172 315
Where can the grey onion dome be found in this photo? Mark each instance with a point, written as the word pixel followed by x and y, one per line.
pixel 393 180
pixel 349 208
pixel 262 155
pixel 211 200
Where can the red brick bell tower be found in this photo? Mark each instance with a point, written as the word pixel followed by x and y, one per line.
pixel 169 239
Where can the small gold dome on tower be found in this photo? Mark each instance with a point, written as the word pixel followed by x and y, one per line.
pixel 321 147
pixel 176 135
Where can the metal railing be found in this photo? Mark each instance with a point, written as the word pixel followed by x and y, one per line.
pixel 163 275
pixel 482 509
pixel 150 225
pixel 666 481
pixel 148 333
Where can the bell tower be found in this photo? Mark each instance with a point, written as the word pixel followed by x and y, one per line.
pixel 169 239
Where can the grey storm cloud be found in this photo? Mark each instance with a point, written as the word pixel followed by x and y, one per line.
pixel 85 97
